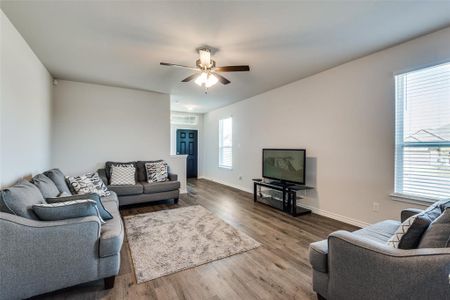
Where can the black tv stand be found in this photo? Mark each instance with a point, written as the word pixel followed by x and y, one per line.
pixel 281 183
pixel 288 201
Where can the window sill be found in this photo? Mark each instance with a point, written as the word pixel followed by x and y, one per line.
pixel 226 168
pixel 425 201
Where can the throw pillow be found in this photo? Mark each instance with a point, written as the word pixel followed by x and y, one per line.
pixel 410 232
pixel 109 164
pixel 66 210
pixel 141 170
pixel 123 175
pixel 47 187
pixel 438 234
pixel 156 171
pixel 88 183
pixel 104 213
pixel 59 179
pixel 20 198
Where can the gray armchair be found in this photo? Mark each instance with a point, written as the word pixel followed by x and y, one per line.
pixel 359 265
pixel 41 256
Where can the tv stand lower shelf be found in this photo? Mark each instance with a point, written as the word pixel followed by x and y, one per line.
pixel 279 196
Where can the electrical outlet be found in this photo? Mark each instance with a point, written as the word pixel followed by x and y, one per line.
pixel 376 207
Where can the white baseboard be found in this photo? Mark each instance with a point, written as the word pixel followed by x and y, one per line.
pixel 315 210
pixel 336 216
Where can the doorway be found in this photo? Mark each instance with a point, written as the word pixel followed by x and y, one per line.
pixel 187 143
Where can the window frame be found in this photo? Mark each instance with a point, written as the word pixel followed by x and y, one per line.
pixel 222 147
pixel 400 144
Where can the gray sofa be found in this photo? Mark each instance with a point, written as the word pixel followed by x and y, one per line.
pixel 142 191
pixel 37 257
pixel 359 265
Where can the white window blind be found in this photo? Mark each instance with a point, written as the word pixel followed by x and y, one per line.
pixel 226 143
pixel 422 140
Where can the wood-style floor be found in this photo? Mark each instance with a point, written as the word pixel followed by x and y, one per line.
pixel 279 269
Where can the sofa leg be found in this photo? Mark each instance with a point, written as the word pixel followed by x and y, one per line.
pixel 175 201
pixel 109 282
pixel 320 297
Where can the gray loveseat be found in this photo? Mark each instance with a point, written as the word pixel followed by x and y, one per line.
pixel 142 191
pixel 37 257
pixel 360 265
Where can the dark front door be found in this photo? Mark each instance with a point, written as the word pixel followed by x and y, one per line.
pixel 187 144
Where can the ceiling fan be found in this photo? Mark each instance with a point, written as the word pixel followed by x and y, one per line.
pixel 206 71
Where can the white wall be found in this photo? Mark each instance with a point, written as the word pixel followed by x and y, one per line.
pixel 95 123
pixel 199 128
pixel 25 108
pixel 344 117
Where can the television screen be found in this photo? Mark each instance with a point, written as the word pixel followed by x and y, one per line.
pixel 284 165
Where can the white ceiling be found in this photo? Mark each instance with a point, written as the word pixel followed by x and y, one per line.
pixel 122 43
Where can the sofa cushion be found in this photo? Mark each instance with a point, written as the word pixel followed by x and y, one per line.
pixel 109 164
pixel 59 179
pixel 111 197
pixel 142 171
pixel 47 187
pixel 111 236
pixel 318 256
pixel 104 213
pixel 123 190
pixel 379 232
pixel 157 187
pixel 66 210
pixel 438 233
pixel 20 198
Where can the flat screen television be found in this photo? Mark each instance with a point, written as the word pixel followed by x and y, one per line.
pixel 284 165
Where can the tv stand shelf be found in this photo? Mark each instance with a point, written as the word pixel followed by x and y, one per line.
pixel 288 196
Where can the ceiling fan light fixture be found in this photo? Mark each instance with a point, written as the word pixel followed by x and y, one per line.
pixel 205 58
pixel 212 80
pixel 206 79
pixel 201 79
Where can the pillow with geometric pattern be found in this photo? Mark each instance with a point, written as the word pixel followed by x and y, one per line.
pixel 410 232
pixel 157 171
pixel 123 174
pixel 88 183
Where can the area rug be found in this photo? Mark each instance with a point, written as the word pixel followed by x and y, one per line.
pixel 169 241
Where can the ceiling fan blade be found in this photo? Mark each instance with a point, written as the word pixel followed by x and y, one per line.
pixel 222 79
pixel 189 78
pixel 178 66
pixel 232 69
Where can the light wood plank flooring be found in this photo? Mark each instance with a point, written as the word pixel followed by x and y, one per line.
pixel 279 269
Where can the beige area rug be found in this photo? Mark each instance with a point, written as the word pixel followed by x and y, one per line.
pixel 169 241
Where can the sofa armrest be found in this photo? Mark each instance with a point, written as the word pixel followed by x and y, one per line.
pixel 46 255
pixel 173 177
pixel 408 212
pixel 102 175
pixel 361 268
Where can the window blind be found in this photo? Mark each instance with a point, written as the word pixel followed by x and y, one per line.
pixel 226 143
pixel 422 139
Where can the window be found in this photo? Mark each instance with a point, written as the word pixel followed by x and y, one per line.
pixel 422 140
pixel 226 143
pixel 183 119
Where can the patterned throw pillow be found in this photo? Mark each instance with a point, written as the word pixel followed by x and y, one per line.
pixel 88 183
pixel 157 171
pixel 123 174
pixel 67 210
pixel 410 232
